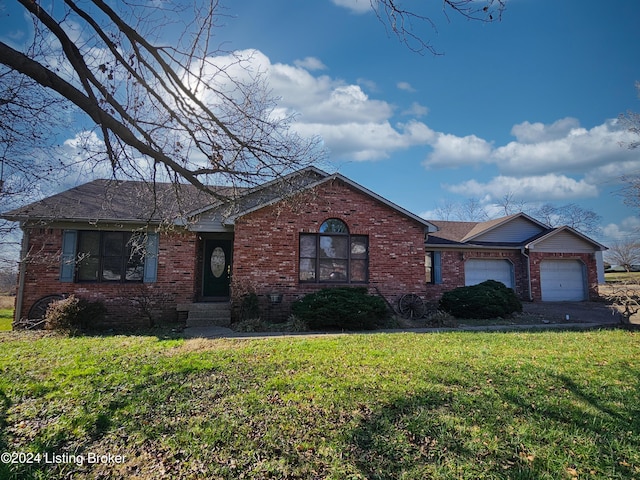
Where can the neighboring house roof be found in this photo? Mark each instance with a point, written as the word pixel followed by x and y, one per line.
pixel 513 231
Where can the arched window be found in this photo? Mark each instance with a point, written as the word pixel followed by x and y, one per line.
pixel 334 255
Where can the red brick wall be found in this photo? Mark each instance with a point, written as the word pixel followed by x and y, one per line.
pixel 453 270
pixel 127 304
pixel 266 245
pixel 589 259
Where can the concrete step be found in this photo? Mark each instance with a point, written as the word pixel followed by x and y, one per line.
pixel 207 314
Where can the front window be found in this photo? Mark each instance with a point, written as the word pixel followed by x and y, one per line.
pixel 428 266
pixel 109 257
pixel 334 255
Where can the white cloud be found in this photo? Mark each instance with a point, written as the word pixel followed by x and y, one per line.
pixel 453 151
pixel 406 86
pixel 627 229
pixel 355 6
pixel 367 141
pixel 526 132
pixel 556 161
pixel 310 63
pixel 542 187
pixel 563 146
pixel 350 122
pixel 416 110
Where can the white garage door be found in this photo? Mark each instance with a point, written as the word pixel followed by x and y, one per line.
pixel 478 270
pixel 562 280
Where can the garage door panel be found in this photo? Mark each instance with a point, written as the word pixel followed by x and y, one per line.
pixel 562 280
pixel 478 270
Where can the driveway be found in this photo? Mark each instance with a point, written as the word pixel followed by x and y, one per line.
pixel 578 312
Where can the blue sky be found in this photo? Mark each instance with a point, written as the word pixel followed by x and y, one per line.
pixel 527 105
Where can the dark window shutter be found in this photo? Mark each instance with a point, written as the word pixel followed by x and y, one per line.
pixel 437 267
pixel 151 258
pixel 68 259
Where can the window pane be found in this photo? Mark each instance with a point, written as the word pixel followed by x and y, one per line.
pixel 88 269
pixel 112 268
pixel 88 256
pixel 332 270
pixel 358 270
pixel 307 269
pixel 308 246
pixel 334 247
pixel 113 244
pixel 135 272
pixel 359 247
pixel 333 225
pixel 428 266
pixel 89 244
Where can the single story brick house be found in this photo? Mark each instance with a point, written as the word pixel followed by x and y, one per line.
pixel 538 262
pixel 160 251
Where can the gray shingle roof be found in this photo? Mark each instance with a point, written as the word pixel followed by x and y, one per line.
pixel 119 201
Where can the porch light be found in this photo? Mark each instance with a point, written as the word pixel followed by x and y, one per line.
pixel 275 298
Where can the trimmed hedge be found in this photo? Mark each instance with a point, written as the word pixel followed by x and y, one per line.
pixel 489 299
pixel 341 307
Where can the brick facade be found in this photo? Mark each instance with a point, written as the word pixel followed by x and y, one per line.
pixel 453 276
pixel 266 251
pixel 128 304
pixel 266 245
pixel 588 259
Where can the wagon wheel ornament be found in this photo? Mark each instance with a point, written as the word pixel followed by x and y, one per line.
pixel 39 308
pixel 411 305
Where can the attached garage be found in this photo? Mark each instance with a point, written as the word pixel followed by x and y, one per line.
pixel 477 270
pixel 563 281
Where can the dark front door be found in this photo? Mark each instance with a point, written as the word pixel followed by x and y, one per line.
pixel 217 269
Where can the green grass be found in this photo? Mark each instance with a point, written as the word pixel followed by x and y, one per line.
pixel 6 318
pixel 622 277
pixel 547 405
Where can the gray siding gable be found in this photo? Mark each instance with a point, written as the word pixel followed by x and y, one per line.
pixel 516 230
pixel 563 241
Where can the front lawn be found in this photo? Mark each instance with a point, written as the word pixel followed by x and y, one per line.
pixel 616 277
pixel 547 405
pixel 6 318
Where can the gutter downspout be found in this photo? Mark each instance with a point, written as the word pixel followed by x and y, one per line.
pixel 21 274
pixel 523 250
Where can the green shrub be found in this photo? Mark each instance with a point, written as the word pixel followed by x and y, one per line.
pixel 341 307
pixel 73 315
pixel 489 299
pixel 250 306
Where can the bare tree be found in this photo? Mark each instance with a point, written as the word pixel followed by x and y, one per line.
pixel 23 167
pixel 176 109
pixel 572 215
pixel 471 211
pixel 180 108
pixel 624 253
pixel 510 204
pixel 631 121
pixel 405 23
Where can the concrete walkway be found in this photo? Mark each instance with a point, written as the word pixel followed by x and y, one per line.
pixel 582 316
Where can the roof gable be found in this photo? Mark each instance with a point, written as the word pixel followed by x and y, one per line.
pixel 564 239
pixel 515 228
pixel 513 231
pixel 301 181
